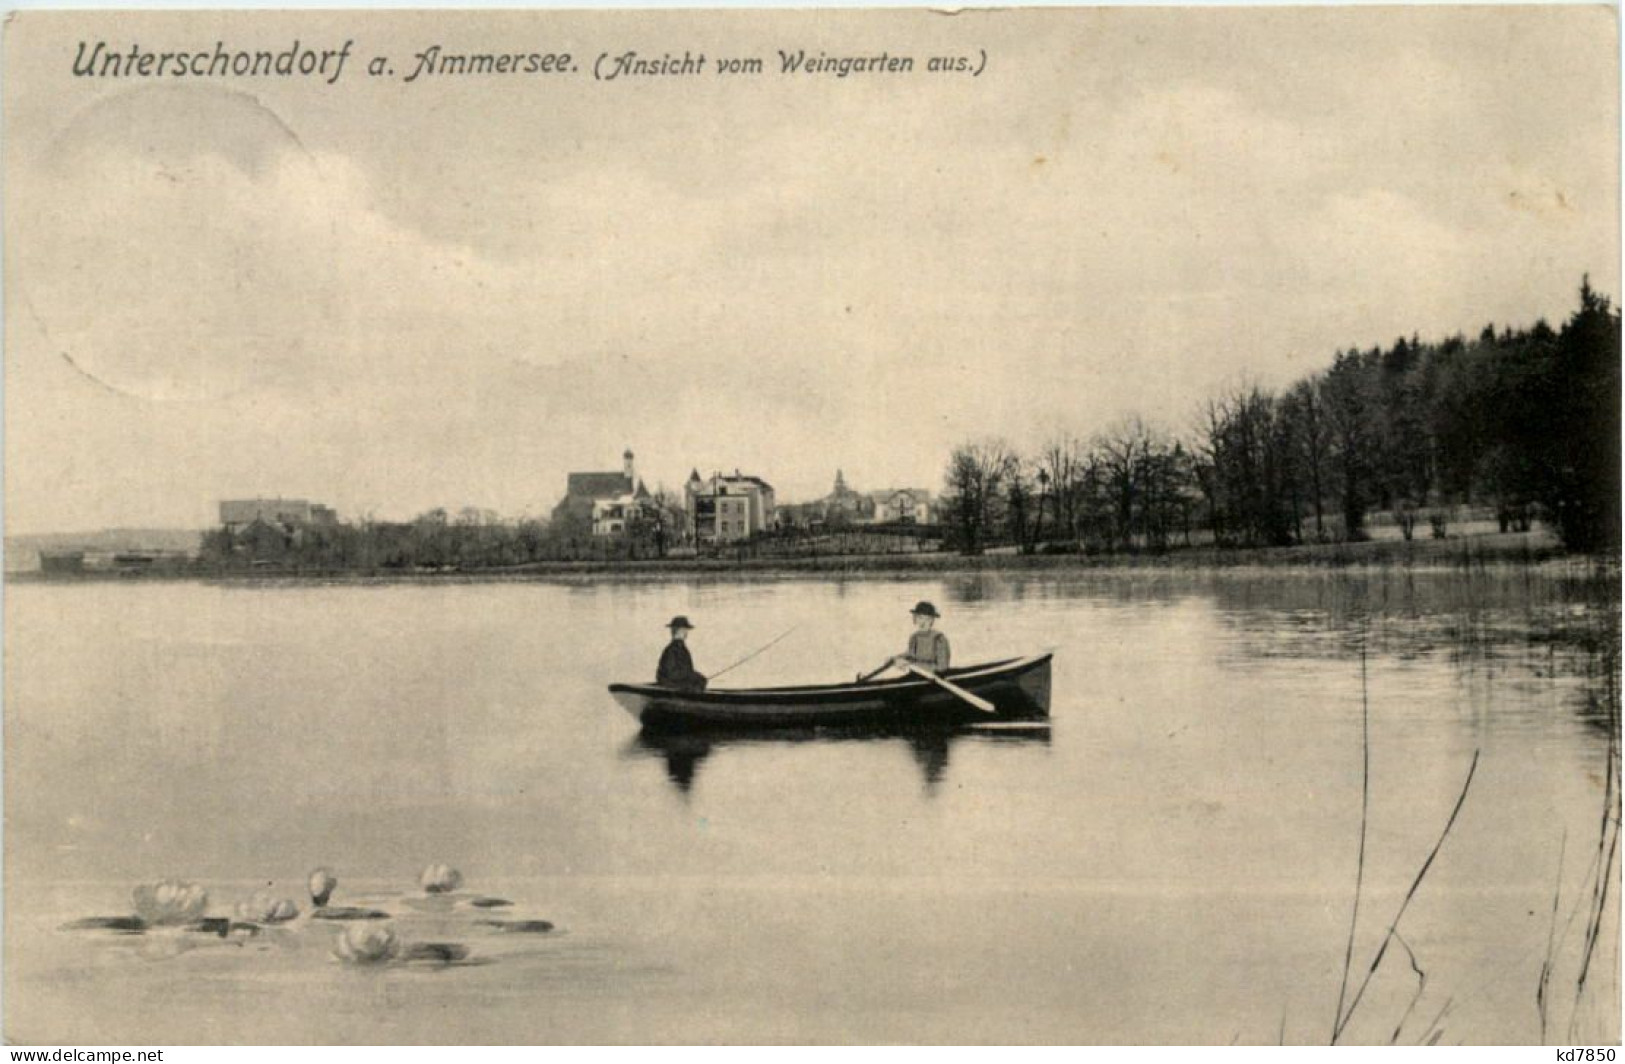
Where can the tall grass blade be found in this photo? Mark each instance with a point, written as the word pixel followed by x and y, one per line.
pixel 1365 807
pixel 1544 986
pixel 1416 884
pixel 1421 987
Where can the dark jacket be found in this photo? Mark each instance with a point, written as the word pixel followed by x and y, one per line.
pixel 677 668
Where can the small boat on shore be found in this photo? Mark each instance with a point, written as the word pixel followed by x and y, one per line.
pixel 1017 688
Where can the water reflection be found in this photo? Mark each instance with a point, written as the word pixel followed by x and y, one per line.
pixel 1563 626
pixel 1183 850
pixel 684 752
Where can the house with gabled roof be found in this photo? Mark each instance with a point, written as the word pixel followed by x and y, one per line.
pixel 725 508
pixel 904 506
pixel 607 502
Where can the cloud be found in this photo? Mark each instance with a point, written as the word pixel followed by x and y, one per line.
pixel 173 269
pixel 459 298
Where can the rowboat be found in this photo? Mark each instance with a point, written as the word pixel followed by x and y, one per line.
pixel 1018 688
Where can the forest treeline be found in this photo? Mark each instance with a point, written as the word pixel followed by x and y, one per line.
pixel 1526 422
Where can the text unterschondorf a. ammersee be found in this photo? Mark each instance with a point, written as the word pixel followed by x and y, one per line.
pixel 99 59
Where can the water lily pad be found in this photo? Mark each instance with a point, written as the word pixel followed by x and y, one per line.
pixel 520 927
pixel 434 903
pixel 222 926
pixel 435 953
pixel 348 912
pixel 126 925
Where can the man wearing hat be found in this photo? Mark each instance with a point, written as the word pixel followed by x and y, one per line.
pixel 927 647
pixel 676 666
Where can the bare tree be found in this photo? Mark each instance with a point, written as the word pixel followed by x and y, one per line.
pixel 1021 505
pixel 1123 452
pixel 975 499
pixel 1061 462
pixel 1346 396
pixel 1312 436
pixel 1248 468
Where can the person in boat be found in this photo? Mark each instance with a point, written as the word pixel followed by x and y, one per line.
pixel 676 664
pixel 927 647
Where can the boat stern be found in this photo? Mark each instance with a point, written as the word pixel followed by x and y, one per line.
pixel 1034 686
pixel 1024 694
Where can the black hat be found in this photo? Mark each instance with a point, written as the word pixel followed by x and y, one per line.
pixel 924 608
pixel 679 622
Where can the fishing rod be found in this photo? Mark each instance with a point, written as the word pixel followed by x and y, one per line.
pixel 755 652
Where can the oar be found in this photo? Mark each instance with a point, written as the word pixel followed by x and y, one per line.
pixel 952 688
pixel 866 677
pixel 755 652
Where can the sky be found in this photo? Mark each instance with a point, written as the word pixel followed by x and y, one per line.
pixel 392 296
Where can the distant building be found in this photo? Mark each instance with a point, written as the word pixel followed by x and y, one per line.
pixel 804 515
pixel 62 561
pixel 613 516
pixel 605 502
pixel 843 506
pixel 288 514
pixel 902 506
pixel 264 539
pixel 728 508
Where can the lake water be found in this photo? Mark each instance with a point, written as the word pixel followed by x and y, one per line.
pixel 1173 860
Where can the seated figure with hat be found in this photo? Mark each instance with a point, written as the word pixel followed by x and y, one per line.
pixel 927 647
pixel 676 665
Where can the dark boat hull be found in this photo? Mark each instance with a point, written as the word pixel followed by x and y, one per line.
pixel 1018 688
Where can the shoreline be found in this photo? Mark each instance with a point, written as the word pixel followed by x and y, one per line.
pixel 1533 550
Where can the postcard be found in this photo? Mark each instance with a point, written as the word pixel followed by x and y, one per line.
pixel 1031 526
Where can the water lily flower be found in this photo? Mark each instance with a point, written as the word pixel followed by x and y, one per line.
pixel 367 944
pixel 263 908
pixel 440 879
pixel 322 884
pixel 170 901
